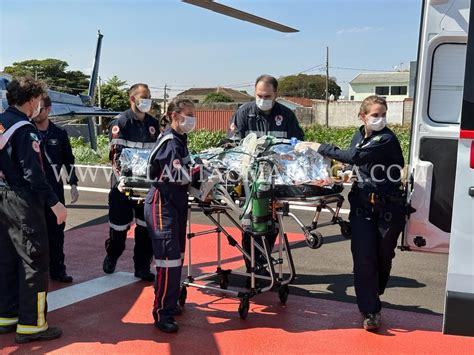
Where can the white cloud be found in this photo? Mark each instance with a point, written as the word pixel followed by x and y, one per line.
pixel 358 29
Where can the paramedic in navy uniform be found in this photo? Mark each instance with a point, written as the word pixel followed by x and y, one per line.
pixel 377 214
pixel 264 116
pixel 166 209
pixel 134 128
pixel 24 193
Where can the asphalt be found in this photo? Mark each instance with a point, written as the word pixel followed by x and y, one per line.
pixel 418 279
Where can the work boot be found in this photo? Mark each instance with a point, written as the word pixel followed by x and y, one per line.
pixel 371 321
pixel 168 326
pixel 178 311
pixel 48 334
pixel 109 265
pixel 145 275
pixel 5 329
pixel 64 278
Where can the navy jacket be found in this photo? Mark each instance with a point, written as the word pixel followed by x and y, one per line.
pixel 171 160
pixel 58 153
pixel 21 161
pixel 281 122
pixel 376 160
pixel 127 131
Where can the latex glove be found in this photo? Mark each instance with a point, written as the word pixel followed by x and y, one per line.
pixel 60 211
pixel 121 186
pixel 300 147
pixel 74 194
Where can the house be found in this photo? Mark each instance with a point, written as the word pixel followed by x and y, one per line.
pixel 393 86
pixel 293 102
pixel 198 95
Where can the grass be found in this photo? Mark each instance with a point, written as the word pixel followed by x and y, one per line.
pixel 200 140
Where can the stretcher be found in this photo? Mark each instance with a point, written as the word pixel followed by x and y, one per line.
pixel 252 188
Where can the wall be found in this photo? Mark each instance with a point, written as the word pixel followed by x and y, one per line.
pixel 345 113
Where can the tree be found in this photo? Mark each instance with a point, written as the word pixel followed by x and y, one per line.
pixel 217 97
pixel 113 95
pixel 52 71
pixel 309 86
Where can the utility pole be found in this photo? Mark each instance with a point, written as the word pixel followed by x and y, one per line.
pixel 327 86
pixel 164 101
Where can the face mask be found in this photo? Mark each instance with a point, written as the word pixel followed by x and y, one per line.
pixel 144 105
pixel 264 105
pixel 188 124
pixel 37 110
pixel 376 124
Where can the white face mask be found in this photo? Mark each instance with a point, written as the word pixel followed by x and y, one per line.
pixel 264 105
pixel 144 105
pixel 37 111
pixel 376 124
pixel 188 124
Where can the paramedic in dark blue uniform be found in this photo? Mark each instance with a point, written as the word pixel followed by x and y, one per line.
pixel 377 214
pixel 134 128
pixel 57 153
pixel 166 210
pixel 264 116
pixel 24 193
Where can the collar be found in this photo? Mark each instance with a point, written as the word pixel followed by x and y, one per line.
pixel 14 110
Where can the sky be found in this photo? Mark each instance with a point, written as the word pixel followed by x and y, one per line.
pixel 170 42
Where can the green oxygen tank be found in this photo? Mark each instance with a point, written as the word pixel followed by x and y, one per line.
pixel 260 207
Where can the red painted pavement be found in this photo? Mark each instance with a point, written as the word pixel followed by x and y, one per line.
pixel 120 321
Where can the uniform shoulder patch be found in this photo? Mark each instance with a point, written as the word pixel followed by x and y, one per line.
pixel 176 164
pixel 36 146
pixel 2 129
pixel 152 130
pixel 377 139
pixel 34 137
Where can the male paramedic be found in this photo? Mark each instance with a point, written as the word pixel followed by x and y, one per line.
pixel 134 128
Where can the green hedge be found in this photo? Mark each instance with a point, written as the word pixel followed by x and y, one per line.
pixel 200 140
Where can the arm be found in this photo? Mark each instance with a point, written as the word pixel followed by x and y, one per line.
pixel 371 151
pixel 115 138
pixel 68 160
pixel 27 148
pixel 294 130
pixel 237 127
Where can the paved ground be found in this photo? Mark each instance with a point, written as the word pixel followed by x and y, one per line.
pixel 111 313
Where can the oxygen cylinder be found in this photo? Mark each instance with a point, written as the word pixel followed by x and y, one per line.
pixel 260 207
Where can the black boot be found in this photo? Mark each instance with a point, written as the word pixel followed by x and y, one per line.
pixel 109 265
pixel 145 275
pixel 371 321
pixel 5 329
pixel 48 334
pixel 167 326
pixel 63 277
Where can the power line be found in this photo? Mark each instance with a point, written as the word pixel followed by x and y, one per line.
pixel 365 69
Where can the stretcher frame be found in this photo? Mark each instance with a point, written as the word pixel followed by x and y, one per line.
pixel 213 211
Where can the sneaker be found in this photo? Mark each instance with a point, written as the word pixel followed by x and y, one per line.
pixel 372 321
pixel 5 329
pixel 169 326
pixel 109 265
pixel 64 278
pixel 48 334
pixel 145 275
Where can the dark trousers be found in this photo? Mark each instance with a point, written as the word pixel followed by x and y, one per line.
pixel 23 262
pixel 375 231
pixel 56 235
pixel 122 212
pixel 166 212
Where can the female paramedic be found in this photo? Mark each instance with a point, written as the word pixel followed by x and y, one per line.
pixel 377 214
pixel 166 209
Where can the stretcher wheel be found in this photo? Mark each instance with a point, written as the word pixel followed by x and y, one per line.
pixel 224 281
pixel 244 307
pixel 314 239
pixel 283 293
pixel 182 296
pixel 345 229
